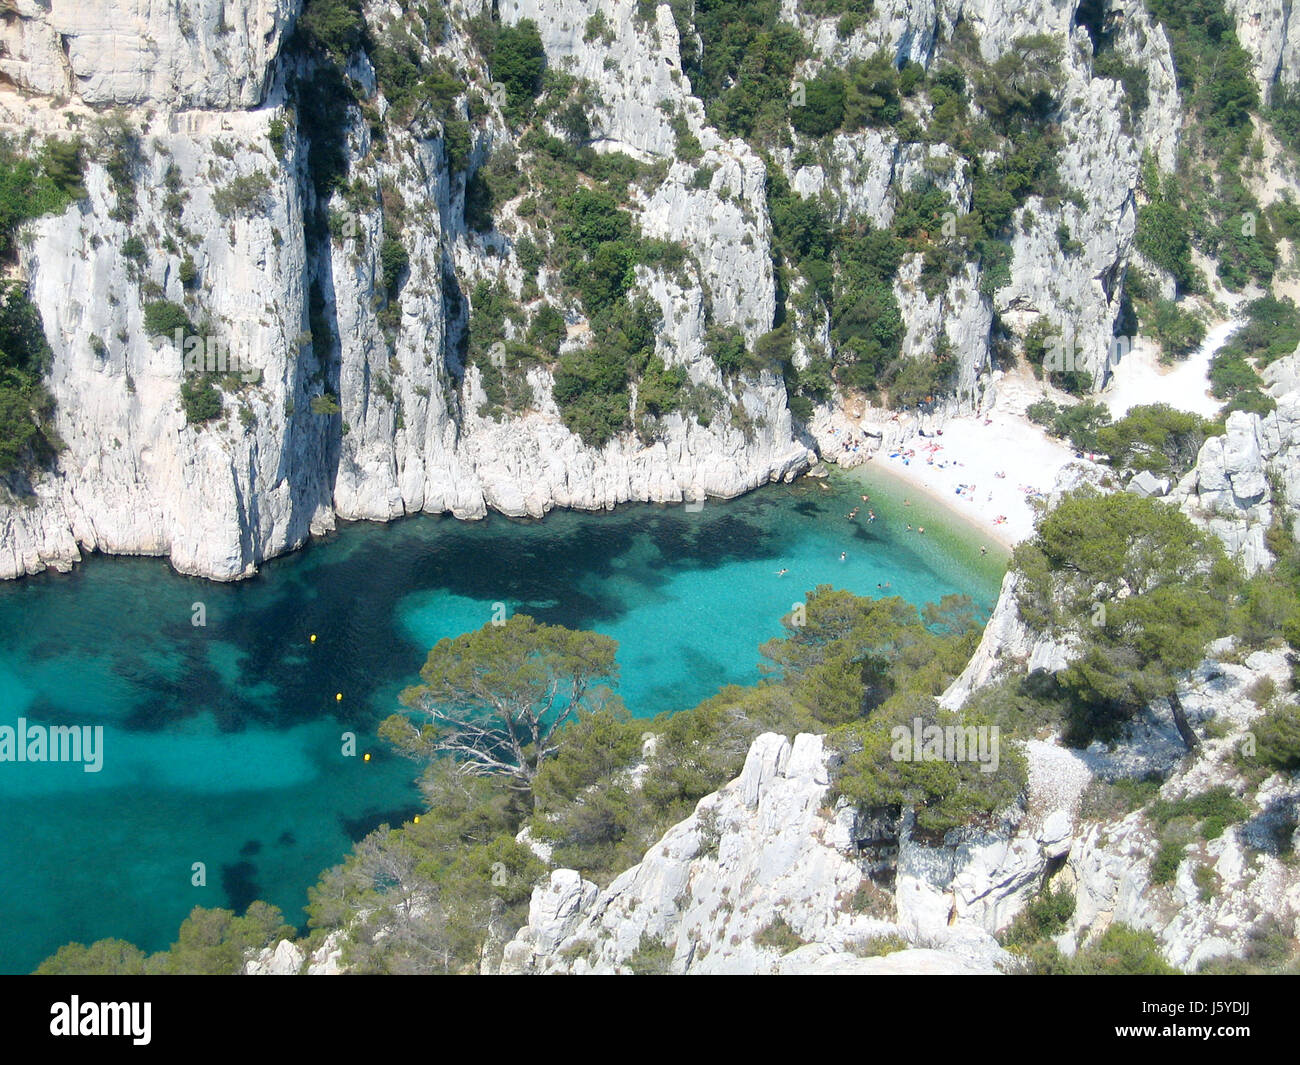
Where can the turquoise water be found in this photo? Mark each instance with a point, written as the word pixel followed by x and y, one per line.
pixel 223 743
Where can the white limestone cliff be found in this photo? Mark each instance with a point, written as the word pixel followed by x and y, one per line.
pixel 765 848
pixel 203 84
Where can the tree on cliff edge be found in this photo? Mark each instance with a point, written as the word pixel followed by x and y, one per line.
pixel 495 699
pixel 1137 589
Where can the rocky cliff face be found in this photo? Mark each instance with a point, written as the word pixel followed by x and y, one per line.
pixel 203 91
pixel 763 853
pixel 766 852
pixel 194 54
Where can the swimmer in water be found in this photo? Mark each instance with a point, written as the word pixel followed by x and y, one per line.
pixel 920 528
pixel 983 550
pixel 909 528
pixel 782 572
pixel 871 515
pixel 843 555
pixel 907 502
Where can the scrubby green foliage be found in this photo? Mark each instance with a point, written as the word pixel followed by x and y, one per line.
pixel 1078 423
pixel 823 109
pixel 210 943
pixel 1110 800
pixel 743 64
pixel 35 183
pixel 1213 69
pixel 1178 331
pixel 778 936
pixel 1213 810
pixel 27 436
pixel 164 317
pixel 105 957
pixel 1137 587
pixel 591 384
pixel 1120 951
pixel 517 62
pixel 200 399
pixel 1277 736
pixel 243 194
pixel 863 668
pixel 1046 916
pixel 336 26
pixel 846 655
pixel 1163 234
pixel 1206 202
pixel 652 957
pixel 1155 437
pixel 1271 331
pixel 1271 949
pixel 945 795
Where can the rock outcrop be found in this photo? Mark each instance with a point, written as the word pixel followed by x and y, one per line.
pixel 1242 478
pixel 761 878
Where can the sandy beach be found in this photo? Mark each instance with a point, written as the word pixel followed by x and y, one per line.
pixel 994 468
pixel 987 468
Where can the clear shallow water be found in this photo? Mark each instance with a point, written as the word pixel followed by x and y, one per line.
pixel 223 743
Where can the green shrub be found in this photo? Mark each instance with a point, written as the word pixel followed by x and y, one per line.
pixel 35 185
pixel 1163 235
pixel 517 62
pixel 879 946
pixel 777 935
pixel 241 195
pixel 1179 332
pixel 823 107
pixel 106 957
pixel 1046 916
pixel 1164 868
pixel 200 399
pixel 27 436
pixel 394 263
pixel 1155 437
pixel 1277 736
pixel 1120 951
pixel 164 317
pixel 653 957
pixel 1215 809
pixel 277 131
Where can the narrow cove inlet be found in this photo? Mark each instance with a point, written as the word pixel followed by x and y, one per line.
pixel 223 743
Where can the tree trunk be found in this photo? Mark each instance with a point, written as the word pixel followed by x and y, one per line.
pixel 1180 720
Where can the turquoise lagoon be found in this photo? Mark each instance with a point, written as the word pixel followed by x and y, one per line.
pixel 223 743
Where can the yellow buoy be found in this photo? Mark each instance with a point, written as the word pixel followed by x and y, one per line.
pixel 313 637
pixel 339 697
pixel 417 819
pixel 366 758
